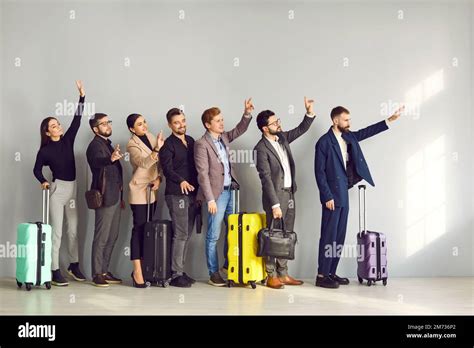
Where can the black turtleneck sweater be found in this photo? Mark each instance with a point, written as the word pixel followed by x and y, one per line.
pixel 59 155
pixel 145 140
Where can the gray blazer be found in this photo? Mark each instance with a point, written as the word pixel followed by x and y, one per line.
pixel 208 165
pixel 270 169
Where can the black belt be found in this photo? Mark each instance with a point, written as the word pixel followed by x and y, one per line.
pixel 228 187
pixel 287 189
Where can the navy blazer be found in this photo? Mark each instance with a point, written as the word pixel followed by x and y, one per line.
pixel 332 178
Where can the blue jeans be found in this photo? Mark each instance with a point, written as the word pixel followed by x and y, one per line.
pixel 214 224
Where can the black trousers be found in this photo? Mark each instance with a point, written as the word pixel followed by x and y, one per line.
pixel 139 221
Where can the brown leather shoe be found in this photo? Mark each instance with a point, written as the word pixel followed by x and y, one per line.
pixel 274 283
pixel 287 280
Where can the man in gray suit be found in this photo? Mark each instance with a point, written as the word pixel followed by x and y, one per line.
pixel 104 161
pixel 276 169
pixel 216 178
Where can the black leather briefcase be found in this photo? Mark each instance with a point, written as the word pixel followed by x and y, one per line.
pixel 277 243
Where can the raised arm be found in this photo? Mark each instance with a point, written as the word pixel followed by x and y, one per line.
pixel 244 122
pixel 303 127
pixel 136 153
pixel 76 120
pixel 378 127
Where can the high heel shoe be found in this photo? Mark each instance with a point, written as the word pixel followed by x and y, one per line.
pixel 141 286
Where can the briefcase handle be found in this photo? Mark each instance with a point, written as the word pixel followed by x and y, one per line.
pixel 282 223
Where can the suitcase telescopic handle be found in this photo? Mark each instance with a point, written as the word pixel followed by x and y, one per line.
pixel 45 217
pixel 362 211
pixel 236 200
pixel 148 200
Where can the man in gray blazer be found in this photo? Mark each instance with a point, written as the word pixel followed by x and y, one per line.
pixel 104 160
pixel 276 169
pixel 216 178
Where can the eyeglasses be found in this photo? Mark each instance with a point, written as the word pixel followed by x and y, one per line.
pixel 277 122
pixel 105 123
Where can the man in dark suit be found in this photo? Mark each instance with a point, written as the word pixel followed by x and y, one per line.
pixel 338 165
pixel 104 160
pixel 276 168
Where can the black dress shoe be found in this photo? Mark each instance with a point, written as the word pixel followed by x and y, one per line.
pixel 188 278
pixel 341 281
pixel 180 282
pixel 326 282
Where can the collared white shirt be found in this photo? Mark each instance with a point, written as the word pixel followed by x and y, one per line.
pixel 283 155
pixel 343 146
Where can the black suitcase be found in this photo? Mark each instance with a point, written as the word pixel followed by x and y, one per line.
pixel 156 264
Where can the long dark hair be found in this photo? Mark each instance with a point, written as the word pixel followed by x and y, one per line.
pixel 44 129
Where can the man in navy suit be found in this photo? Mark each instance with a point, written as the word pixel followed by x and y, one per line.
pixel 338 165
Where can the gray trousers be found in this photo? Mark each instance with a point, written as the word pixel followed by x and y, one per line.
pixel 183 213
pixel 279 267
pixel 62 204
pixel 107 223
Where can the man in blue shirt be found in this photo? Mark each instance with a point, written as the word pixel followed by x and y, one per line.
pixel 216 178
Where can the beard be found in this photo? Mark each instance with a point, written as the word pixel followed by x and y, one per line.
pixel 181 131
pixel 343 129
pixel 105 134
pixel 274 132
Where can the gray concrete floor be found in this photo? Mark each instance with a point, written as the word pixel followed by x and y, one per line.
pixel 407 296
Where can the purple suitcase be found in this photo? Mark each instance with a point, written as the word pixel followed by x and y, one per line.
pixel 372 250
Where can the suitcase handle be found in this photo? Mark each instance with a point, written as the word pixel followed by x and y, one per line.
pixel 45 217
pixel 235 199
pixel 148 200
pixel 362 210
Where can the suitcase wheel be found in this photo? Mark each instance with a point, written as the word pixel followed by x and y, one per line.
pixel 19 284
pixel 230 283
pixel 28 286
pixel 253 285
pixel 48 285
pixel 384 281
pixel 369 282
pixel 360 280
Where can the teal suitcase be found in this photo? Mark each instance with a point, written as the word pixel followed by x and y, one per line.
pixel 34 247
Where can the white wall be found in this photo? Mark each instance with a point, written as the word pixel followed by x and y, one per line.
pixel 362 55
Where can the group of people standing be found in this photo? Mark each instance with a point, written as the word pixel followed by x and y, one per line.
pixel 199 175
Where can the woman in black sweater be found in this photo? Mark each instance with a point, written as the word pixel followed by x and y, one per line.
pixel 57 152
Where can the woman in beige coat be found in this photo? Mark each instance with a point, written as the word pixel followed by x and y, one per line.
pixel 143 148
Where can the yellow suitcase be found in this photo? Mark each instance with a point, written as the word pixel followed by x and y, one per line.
pixel 245 267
